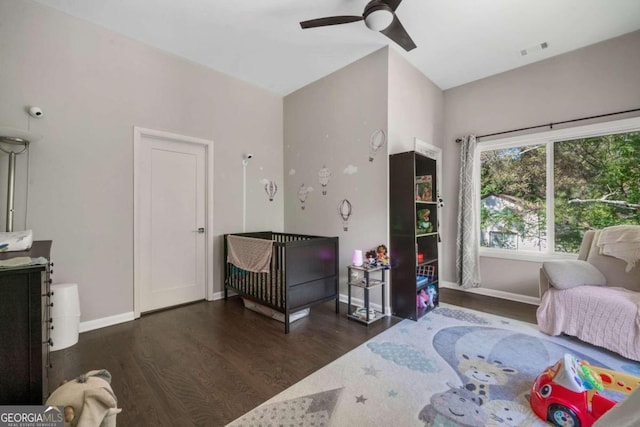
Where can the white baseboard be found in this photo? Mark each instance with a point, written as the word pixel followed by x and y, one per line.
pixel 90 325
pixel 493 293
pixel 220 295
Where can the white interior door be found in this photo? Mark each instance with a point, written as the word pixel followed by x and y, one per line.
pixel 171 219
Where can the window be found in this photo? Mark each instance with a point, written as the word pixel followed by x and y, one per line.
pixel 540 193
pixel 513 198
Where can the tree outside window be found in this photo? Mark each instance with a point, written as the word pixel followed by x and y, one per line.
pixel 595 183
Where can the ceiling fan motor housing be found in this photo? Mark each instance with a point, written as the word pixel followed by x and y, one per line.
pixel 378 15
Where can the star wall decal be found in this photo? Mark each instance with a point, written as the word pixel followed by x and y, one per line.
pixel 361 399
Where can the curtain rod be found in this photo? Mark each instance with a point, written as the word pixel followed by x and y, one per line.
pixel 551 125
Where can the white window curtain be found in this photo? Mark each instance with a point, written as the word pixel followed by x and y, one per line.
pixel 468 245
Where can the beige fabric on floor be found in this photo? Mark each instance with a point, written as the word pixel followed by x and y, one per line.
pixel 249 253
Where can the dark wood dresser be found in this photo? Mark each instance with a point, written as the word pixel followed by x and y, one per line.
pixel 25 300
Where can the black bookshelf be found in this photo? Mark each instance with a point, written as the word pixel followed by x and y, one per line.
pixel 413 233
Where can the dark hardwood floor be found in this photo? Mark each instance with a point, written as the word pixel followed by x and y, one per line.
pixel 499 307
pixel 207 363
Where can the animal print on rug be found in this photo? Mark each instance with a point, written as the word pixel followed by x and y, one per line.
pixel 452 368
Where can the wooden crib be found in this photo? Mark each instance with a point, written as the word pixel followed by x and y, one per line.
pixel 303 273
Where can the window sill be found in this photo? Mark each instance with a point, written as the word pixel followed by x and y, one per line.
pixel 524 256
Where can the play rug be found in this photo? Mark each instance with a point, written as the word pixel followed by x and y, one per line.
pixel 476 365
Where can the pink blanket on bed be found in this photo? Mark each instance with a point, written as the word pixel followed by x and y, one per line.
pixel 605 316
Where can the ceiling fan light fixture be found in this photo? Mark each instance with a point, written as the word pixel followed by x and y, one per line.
pixel 379 19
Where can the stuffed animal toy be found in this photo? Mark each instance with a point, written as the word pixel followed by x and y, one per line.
pixel 420 301
pixel 423 300
pixel 88 400
pixel 432 295
pixel 382 256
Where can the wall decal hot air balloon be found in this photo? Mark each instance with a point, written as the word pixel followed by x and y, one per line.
pixel 344 210
pixel 303 192
pixel 324 174
pixel 376 141
pixel 271 188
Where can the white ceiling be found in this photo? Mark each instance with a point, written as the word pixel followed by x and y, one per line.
pixel 260 41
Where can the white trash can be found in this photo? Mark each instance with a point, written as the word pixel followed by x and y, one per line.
pixel 65 313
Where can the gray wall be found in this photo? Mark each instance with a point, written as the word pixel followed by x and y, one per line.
pixel 416 106
pixel 94 86
pixel 598 79
pixel 329 122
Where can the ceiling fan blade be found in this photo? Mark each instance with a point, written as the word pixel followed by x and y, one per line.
pixel 398 34
pixel 332 20
pixel 393 4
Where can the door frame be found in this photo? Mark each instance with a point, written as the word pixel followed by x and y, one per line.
pixel 138 134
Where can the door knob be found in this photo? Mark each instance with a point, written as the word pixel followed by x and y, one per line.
pixel 200 230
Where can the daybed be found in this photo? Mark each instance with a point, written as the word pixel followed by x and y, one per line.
pixel 297 272
pixel 597 297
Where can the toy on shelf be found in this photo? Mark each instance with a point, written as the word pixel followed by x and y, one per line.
pixel 424 188
pixel 378 257
pixel 427 298
pixel 372 258
pixel 423 221
pixel 567 393
pixel 422 299
pixel 381 256
pixel 432 292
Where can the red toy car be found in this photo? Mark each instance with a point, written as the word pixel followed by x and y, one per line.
pixel 566 394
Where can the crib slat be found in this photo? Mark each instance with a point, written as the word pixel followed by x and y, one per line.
pixel 271 288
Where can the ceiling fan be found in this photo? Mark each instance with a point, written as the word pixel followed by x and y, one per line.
pixel 379 15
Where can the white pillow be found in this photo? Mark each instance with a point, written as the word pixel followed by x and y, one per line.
pixel 569 273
